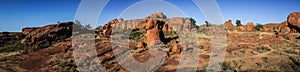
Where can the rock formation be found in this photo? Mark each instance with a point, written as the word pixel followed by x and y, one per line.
pixel 229 26
pixel 154 31
pixel 250 27
pixel 44 36
pixel 170 23
pixel 294 20
pixel 157 14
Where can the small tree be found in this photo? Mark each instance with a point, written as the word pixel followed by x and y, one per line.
pixel 193 21
pixel 207 24
pixel 258 26
pixel 238 23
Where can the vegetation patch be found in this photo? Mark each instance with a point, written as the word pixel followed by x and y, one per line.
pixel 291 52
pixel 262 49
pixel 135 34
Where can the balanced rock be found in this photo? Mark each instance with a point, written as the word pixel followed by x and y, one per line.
pixel 294 20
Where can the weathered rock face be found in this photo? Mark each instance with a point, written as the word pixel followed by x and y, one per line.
pixel 155 26
pixel 44 36
pixel 157 15
pixel 294 20
pixel 127 24
pixel 249 27
pixel 154 31
pixel 270 27
pixel 26 31
pixel 151 23
pixel 107 29
pixel 187 26
pixel 180 24
pixel 241 28
pixel 113 21
pixel 167 28
pixel 284 27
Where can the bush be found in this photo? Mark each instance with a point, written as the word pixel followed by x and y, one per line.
pixel 208 24
pixel 11 46
pixel 62 64
pixel 265 59
pixel 262 49
pixel 238 23
pixel 193 21
pixel 226 66
pixel 258 26
pixel 134 35
pixel 252 52
pixel 291 52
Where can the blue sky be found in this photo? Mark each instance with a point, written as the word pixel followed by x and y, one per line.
pixel 17 14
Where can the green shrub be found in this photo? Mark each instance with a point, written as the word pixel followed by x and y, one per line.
pixel 229 51
pixel 238 23
pixel 134 35
pixel 208 24
pixel 62 64
pixel 261 49
pixel 258 26
pixel 265 59
pixel 226 66
pixel 25 51
pixel 243 51
pixel 14 45
pixel 291 52
pixel 252 52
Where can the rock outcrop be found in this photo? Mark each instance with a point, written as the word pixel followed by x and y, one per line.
pixel 26 31
pixel 44 36
pixel 270 27
pixel 229 26
pixel 250 27
pixel 282 28
pixel 154 31
pixel 170 24
pixel 157 14
pixel 292 25
pixel 294 20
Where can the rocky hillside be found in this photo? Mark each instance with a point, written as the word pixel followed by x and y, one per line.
pixel 183 23
pixel 273 47
pixel 289 26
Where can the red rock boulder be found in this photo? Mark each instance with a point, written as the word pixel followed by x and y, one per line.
pixel 294 20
